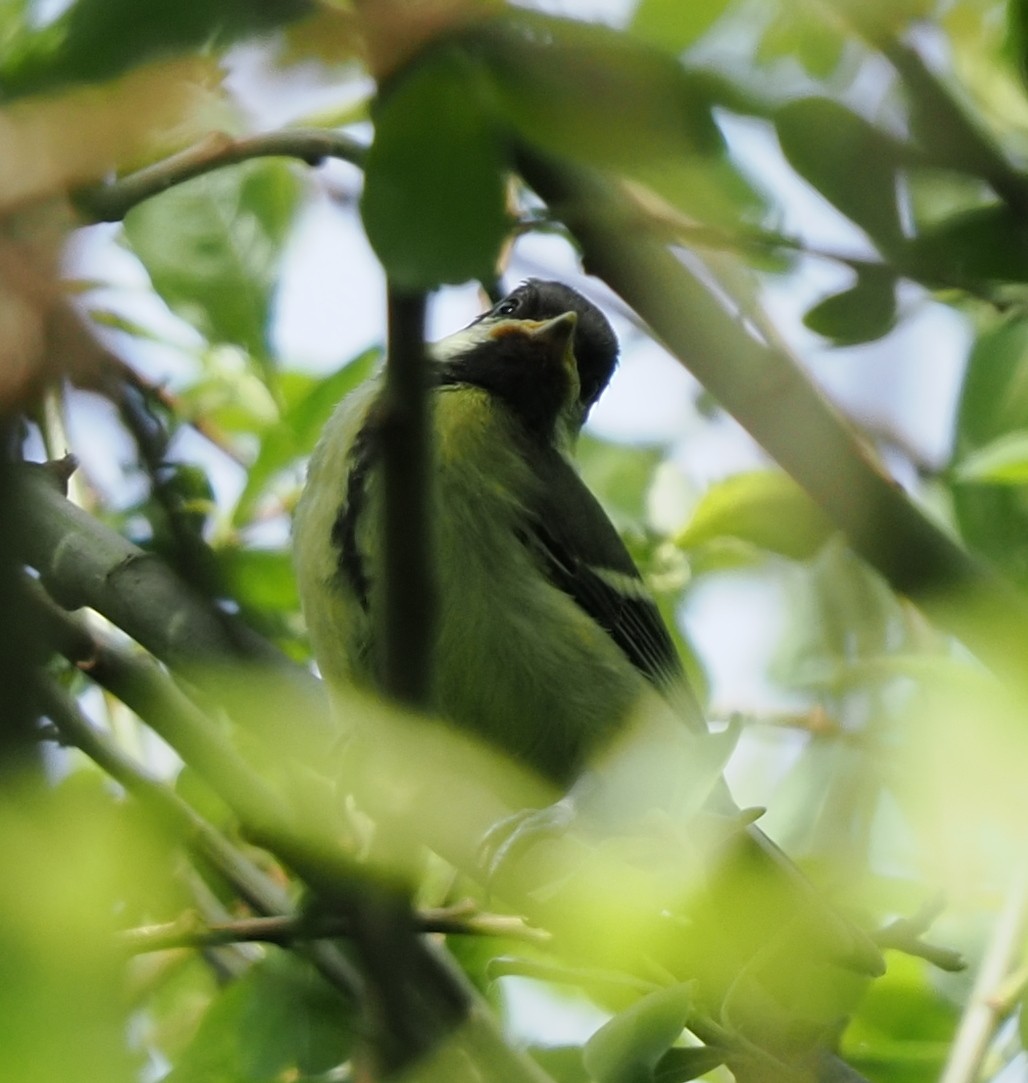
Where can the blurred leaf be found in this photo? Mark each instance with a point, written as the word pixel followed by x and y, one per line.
pixel 848 160
pixel 993 519
pixel 561 1063
pixel 979 245
pixel 96 40
pixel 765 508
pixel 586 92
pixel 229 395
pixel 213 246
pixel 280 1020
pixel 863 313
pixel 797 33
pixel 261 578
pixel 674 26
pixel 1017 35
pixel 681 1064
pixel 69 863
pixel 59 142
pixel 903 1024
pixel 1002 462
pixel 620 476
pixel 309 405
pixel 434 192
pixel 629 1047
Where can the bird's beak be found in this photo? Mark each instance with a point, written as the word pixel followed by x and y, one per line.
pixel 555 338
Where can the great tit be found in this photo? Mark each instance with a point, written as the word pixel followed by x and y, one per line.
pixel 547 636
pixel 549 645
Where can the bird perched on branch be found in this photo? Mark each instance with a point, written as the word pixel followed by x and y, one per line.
pixel 549 645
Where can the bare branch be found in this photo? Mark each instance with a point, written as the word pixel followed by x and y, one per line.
pixel 766 391
pixel 111 202
pixel 190 930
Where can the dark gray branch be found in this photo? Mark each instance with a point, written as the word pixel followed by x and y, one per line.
pixel 409 586
pixel 764 388
pixel 84 563
pixel 111 202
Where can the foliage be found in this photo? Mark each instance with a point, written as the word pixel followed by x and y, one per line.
pixel 898 757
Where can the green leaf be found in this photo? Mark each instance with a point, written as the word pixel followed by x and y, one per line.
pixel 764 508
pixel 863 313
pixel 993 519
pixel 261 578
pixel 678 1065
pixel 213 246
pixel 585 92
pixel 434 191
pixel 980 245
pixel 620 476
pixel 905 1021
pixel 309 406
pixel 95 40
pixel 848 160
pixel 1002 462
pixel 797 33
pixel 674 26
pixel 280 1020
pixel 628 1048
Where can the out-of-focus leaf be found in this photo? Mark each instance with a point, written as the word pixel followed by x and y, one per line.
pixel 586 92
pixel 797 33
pixel 230 395
pixel 764 508
pixel 620 476
pixel 280 1020
pixel 1004 461
pixel 261 578
pixel 903 1022
pixel 562 1063
pixel 213 246
pixel 99 39
pixel 628 1048
pixel 1017 41
pixel 848 160
pixel 434 191
pixel 309 404
pixel 674 26
pixel 70 866
pixel 678 1065
pixel 993 519
pixel 979 245
pixel 863 313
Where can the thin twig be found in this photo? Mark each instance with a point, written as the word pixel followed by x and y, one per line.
pixel 253 885
pixel 982 1013
pixel 111 202
pixel 764 388
pixel 190 930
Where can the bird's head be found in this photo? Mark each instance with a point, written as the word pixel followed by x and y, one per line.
pixel 536 302
pixel 529 364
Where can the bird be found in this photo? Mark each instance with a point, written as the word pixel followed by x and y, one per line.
pixel 549 645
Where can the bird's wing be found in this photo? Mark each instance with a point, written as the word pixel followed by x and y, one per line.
pixel 583 555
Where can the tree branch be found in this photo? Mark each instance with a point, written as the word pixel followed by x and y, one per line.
pixel 111 202
pixel 192 931
pixel 765 390
pixel 253 885
pixel 981 1017
pixel 403 429
pixel 84 563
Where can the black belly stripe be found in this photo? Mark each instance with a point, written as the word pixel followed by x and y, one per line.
pixel 344 529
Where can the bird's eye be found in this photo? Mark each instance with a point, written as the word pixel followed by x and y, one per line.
pixel 508 307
